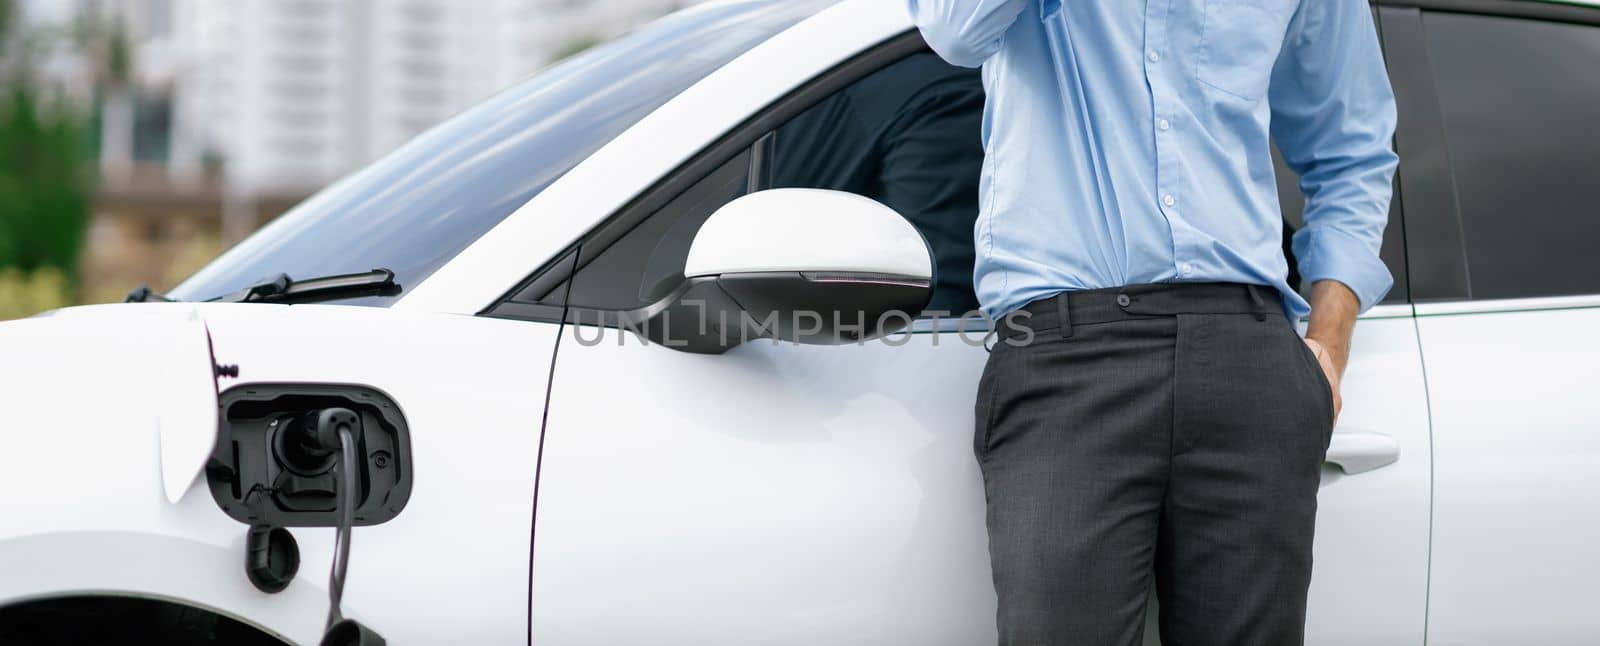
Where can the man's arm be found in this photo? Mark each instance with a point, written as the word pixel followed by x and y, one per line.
pixel 1333 319
pixel 1333 116
pixel 965 32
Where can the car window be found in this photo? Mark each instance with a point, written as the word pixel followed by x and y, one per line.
pixel 645 265
pixel 418 207
pixel 907 135
pixel 1519 99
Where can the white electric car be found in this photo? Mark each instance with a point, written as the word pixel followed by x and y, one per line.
pixel 538 456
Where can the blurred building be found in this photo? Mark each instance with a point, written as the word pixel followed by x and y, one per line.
pixel 291 94
pixel 234 110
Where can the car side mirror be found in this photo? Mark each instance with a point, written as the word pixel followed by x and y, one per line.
pixel 806 266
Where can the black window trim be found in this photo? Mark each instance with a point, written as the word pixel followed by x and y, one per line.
pixel 1395 228
pixel 1425 185
pixel 516 304
pixel 1546 10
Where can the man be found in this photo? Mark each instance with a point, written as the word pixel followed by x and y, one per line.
pixel 1166 420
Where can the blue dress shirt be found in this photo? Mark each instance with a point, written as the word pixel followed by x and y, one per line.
pixel 1128 142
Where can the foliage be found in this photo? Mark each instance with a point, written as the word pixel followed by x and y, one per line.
pixel 25 294
pixel 46 181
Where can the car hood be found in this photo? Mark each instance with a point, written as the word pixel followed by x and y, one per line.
pixel 80 384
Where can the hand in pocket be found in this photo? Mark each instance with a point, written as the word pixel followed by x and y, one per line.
pixel 1329 372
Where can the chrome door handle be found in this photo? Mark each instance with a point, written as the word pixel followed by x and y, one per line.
pixel 1359 451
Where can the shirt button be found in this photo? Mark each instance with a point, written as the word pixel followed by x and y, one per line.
pixel 1153 56
pixel 1186 268
pixel 1163 125
pixel 1169 200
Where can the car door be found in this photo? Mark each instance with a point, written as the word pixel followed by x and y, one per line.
pixel 776 493
pixel 1508 307
pixel 804 494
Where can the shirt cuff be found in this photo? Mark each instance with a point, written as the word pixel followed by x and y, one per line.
pixel 1329 254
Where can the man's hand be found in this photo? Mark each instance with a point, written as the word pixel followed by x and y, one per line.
pixel 1334 374
pixel 1333 320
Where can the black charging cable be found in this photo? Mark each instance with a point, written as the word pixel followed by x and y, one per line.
pixel 333 429
pixel 347 513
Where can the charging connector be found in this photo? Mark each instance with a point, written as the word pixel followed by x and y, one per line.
pixel 323 433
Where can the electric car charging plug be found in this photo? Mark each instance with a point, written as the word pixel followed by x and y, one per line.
pixel 324 432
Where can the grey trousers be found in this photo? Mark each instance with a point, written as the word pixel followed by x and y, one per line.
pixel 1172 431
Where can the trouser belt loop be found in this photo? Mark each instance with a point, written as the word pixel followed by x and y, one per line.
pixel 1064 312
pixel 1258 305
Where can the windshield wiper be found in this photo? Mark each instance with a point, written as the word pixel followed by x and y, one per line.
pixel 283 289
pixel 143 294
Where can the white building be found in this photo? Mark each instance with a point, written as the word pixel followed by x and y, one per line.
pixel 292 94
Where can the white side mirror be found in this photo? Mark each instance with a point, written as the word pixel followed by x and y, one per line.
pixel 809 230
pixel 800 265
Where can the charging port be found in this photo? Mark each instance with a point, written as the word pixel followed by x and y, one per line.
pixel 267 468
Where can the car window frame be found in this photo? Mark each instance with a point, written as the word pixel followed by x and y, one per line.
pixel 540 297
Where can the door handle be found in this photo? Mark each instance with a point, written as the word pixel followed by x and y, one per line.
pixel 1360 451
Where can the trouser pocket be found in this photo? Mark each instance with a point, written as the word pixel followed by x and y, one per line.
pixel 983 407
pixel 1313 370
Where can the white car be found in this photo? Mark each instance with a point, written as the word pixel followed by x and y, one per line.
pixel 532 471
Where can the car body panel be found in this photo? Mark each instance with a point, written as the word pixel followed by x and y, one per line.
pixel 1370 581
pixel 169 351
pixel 777 494
pixel 1517 439
pixel 472 390
pixel 83 466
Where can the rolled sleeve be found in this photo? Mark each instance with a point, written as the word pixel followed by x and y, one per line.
pixel 965 32
pixel 1327 253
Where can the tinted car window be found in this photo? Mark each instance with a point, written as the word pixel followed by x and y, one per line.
pixel 1519 99
pixel 647 263
pixel 418 207
pixel 907 135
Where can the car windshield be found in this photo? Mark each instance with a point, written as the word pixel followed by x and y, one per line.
pixel 414 210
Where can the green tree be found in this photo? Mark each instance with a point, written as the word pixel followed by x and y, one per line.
pixel 46 167
pixel 46 180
